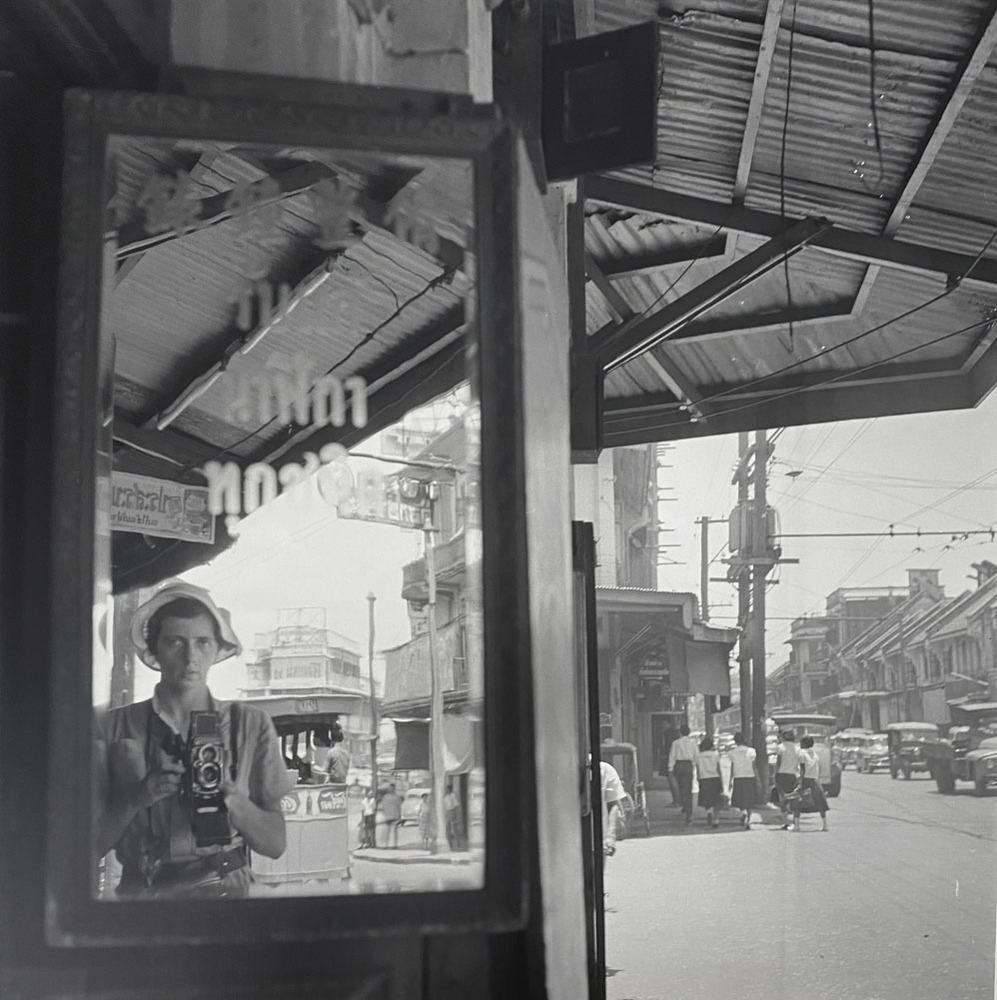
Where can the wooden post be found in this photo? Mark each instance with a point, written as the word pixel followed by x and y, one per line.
pixel 759 572
pixel 436 762
pixel 375 723
pixel 744 596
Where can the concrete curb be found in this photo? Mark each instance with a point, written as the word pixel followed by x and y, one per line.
pixel 408 857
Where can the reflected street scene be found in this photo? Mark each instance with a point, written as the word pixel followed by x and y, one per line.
pixel 287 673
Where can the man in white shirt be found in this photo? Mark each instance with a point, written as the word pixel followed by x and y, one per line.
pixel 613 794
pixel 680 763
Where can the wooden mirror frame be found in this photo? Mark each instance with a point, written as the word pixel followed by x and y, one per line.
pixel 73 917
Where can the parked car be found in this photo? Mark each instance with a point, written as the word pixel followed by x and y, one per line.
pixel 847 741
pixel 820 728
pixel 970 754
pixel 907 746
pixel 872 753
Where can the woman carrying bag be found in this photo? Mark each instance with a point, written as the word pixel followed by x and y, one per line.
pixel 810 796
pixel 710 779
pixel 787 772
pixel 743 775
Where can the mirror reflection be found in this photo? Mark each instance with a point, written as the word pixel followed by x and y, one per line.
pixel 287 664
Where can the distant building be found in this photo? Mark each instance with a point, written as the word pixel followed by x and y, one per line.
pixel 655 652
pixel 445 474
pixel 889 654
pixel 302 658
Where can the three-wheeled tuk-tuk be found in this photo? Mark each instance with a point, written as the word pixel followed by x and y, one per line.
pixel 316 814
pixel 906 743
pixel 623 757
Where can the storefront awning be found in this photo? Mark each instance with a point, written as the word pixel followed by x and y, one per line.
pixel 412 749
pixel 708 668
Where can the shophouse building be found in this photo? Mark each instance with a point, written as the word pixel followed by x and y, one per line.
pixel 302 658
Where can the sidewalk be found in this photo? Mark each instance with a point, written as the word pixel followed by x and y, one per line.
pixel 410 850
pixel 667 819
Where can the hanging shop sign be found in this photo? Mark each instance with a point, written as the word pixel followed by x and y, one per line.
pixel 653 667
pixel 160 507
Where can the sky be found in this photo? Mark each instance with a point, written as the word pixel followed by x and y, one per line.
pixel 933 472
pixel 297 553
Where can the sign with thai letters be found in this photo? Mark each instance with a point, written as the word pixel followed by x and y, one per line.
pixel 314 802
pixel 160 507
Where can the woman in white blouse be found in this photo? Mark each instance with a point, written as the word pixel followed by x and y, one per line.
pixel 787 771
pixel 710 779
pixel 810 779
pixel 742 778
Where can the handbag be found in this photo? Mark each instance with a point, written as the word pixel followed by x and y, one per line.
pixel 801 799
pixel 774 795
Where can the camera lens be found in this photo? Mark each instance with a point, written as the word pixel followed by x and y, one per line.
pixel 208 774
pixel 208 754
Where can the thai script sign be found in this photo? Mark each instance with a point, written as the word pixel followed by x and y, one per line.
pixel 160 507
pixel 363 494
pixel 314 802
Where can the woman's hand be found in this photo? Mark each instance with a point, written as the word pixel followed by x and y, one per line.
pixel 238 805
pixel 126 759
pixel 262 829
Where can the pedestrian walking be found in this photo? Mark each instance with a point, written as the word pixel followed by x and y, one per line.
pixel 681 758
pixel 456 832
pixel 710 779
pixel 787 772
pixel 427 822
pixel 391 810
pixel 743 773
pixel 368 819
pixel 613 796
pixel 810 781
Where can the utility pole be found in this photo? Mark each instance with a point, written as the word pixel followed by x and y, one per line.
pixel 375 722
pixel 436 762
pixel 759 570
pixel 743 592
pixel 903 668
pixel 704 602
pixel 704 567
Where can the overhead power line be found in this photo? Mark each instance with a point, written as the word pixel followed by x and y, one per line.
pixel 954 535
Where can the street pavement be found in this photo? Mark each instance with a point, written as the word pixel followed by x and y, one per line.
pixel 897 900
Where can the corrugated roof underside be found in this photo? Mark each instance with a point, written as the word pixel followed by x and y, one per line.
pixel 844 151
pixel 942 334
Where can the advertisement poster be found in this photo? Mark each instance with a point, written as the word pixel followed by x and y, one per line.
pixel 160 507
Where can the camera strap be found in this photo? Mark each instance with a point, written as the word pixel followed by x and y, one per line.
pixel 233 723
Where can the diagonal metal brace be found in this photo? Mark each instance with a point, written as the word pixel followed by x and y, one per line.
pixel 618 345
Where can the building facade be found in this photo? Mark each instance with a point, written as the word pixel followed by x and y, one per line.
pixel 302 657
pixel 890 654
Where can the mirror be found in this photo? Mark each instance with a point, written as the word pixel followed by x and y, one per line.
pixel 288 681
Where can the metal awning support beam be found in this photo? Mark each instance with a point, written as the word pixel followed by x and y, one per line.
pixel 763 68
pixel 844 242
pixel 944 124
pixel 660 364
pixel 168 446
pixel 617 346
pixel 648 263
pixel 666 422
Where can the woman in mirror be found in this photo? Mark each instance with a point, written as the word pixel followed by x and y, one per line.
pixel 187 785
